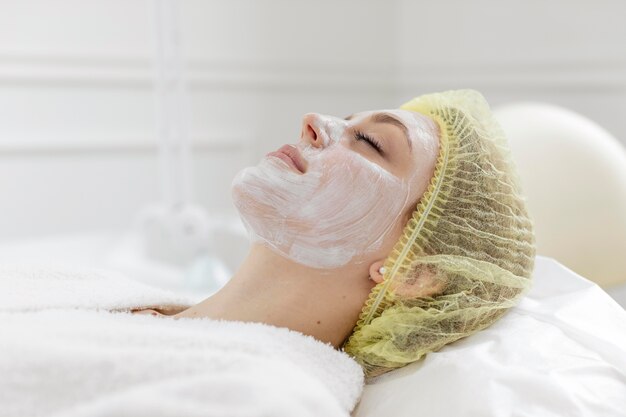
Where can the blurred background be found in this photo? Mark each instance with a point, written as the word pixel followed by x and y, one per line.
pixel 84 165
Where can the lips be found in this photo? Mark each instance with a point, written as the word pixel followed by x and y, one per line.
pixel 291 155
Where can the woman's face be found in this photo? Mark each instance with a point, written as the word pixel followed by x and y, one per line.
pixel 343 192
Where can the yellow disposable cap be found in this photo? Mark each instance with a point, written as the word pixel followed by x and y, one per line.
pixel 470 235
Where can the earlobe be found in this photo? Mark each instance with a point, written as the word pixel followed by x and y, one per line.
pixel 377 271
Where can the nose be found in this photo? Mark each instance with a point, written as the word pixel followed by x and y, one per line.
pixel 311 131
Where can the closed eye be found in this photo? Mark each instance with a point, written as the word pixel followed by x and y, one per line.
pixel 360 136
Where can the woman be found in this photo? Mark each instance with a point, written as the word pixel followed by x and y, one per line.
pixel 388 233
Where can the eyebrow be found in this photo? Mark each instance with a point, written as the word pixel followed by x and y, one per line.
pixel 389 119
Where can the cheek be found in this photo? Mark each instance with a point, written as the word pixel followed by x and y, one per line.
pixel 415 194
pixel 393 234
pixel 342 207
pixel 356 191
pixel 356 205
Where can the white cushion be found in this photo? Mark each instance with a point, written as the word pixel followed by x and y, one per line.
pixel 574 175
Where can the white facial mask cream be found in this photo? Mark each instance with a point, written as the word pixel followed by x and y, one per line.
pixel 342 207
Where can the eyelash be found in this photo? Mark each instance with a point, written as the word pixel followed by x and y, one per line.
pixel 370 140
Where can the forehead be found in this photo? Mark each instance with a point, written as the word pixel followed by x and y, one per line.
pixel 399 113
pixel 412 120
pixel 418 124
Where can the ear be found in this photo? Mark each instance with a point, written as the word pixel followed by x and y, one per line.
pixel 375 274
pixel 427 284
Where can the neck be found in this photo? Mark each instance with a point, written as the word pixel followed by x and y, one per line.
pixel 271 289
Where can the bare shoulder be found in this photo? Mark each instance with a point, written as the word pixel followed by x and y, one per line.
pixel 147 311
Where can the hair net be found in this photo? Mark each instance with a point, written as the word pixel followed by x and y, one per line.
pixel 470 234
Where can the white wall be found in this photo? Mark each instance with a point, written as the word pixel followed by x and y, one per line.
pixel 77 136
pixel 567 52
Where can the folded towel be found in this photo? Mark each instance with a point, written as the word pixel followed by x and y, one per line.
pixel 38 287
pixel 63 352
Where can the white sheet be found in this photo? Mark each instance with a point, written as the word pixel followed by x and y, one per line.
pixel 560 352
pixel 63 353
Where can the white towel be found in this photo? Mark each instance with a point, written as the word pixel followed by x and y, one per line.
pixel 37 287
pixel 64 353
